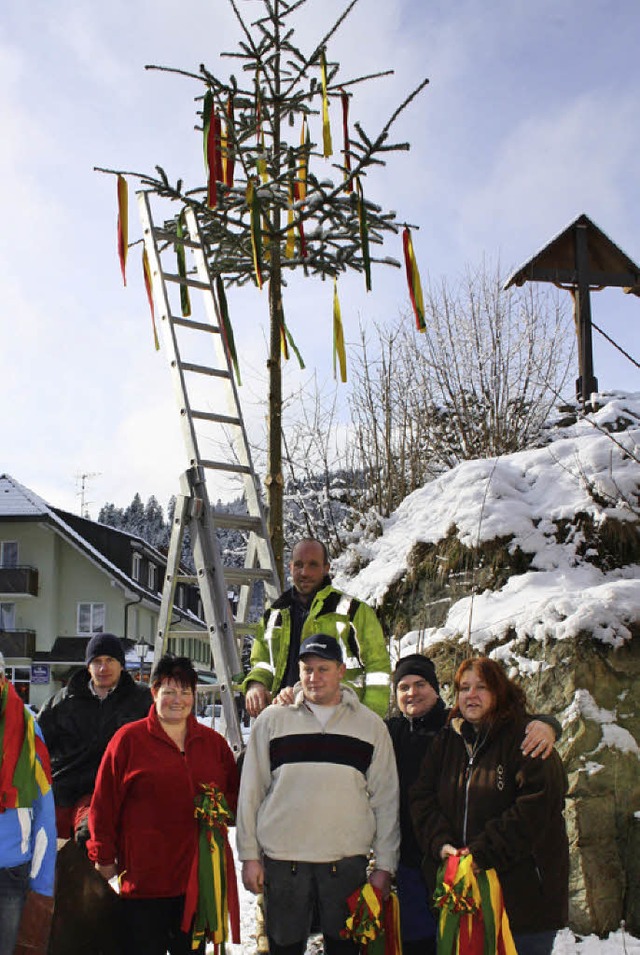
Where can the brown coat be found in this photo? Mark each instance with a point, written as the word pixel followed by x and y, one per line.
pixel 481 792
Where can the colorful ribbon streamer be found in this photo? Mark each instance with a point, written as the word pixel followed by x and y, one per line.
pixel 227 330
pixel 212 893
pixel 326 128
pixel 256 231
pixel 146 271
pixel 373 924
pixel 413 280
pixel 339 353
pixel 345 136
pixel 364 235
pixel 123 225
pixel 185 302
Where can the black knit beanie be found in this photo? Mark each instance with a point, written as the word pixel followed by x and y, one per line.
pixel 418 665
pixel 104 645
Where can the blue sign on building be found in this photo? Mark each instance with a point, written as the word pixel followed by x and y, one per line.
pixel 40 673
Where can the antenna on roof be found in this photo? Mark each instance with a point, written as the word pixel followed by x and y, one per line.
pixel 82 479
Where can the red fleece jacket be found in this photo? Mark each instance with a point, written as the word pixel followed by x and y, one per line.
pixel 142 811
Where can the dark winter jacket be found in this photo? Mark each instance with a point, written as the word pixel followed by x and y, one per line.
pixel 142 811
pixel 77 726
pixel 480 791
pixel 411 739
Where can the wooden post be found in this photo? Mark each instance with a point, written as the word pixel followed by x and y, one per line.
pixel 587 382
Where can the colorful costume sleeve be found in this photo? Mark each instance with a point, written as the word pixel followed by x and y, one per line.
pixel 43 835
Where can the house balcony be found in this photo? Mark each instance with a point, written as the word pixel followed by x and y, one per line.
pixel 15 581
pixel 17 644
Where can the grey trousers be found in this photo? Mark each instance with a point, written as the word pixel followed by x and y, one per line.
pixel 296 891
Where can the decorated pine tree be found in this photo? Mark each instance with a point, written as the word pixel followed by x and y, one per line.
pixel 285 190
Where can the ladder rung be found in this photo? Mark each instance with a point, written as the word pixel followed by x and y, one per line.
pixel 213 416
pixel 238 522
pixel 203 370
pixel 196 326
pixel 246 575
pixel 186 579
pixel 224 466
pixel 167 236
pixel 244 629
pixel 190 283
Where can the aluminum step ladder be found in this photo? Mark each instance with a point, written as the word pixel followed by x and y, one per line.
pixel 203 380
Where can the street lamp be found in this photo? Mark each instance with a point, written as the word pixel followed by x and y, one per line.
pixel 141 649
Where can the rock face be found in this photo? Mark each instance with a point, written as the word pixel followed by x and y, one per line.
pixel 534 558
pixel 592 688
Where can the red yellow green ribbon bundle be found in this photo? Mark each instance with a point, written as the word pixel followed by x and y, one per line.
pixel 212 893
pixel 25 772
pixel 372 923
pixel 473 919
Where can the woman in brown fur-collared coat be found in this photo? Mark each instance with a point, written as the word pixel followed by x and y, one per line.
pixel 477 793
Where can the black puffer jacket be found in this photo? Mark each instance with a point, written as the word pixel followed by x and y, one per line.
pixel 411 739
pixel 77 726
pixel 481 792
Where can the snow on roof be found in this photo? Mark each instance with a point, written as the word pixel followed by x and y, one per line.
pixel 16 500
pixel 583 470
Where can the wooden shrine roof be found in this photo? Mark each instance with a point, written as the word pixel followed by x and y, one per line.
pixel 556 262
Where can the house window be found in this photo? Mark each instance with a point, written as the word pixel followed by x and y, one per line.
pixel 8 553
pixel 91 618
pixel 7 616
pixel 21 678
pixel 136 567
pixel 152 577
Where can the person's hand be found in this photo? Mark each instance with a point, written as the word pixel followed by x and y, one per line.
pixel 381 879
pixel 284 697
pixel 256 698
pixel 449 850
pixel 539 739
pixel 253 876
pixel 108 872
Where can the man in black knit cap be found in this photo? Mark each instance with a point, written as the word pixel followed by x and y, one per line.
pixel 78 722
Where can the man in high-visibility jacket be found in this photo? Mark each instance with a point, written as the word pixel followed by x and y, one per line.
pixel 313 605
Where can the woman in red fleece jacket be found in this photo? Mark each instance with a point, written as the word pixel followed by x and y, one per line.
pixel 142 822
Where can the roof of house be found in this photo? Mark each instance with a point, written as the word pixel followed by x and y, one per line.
pixel 19 503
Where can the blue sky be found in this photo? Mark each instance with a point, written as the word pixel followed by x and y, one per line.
pixel 530 119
